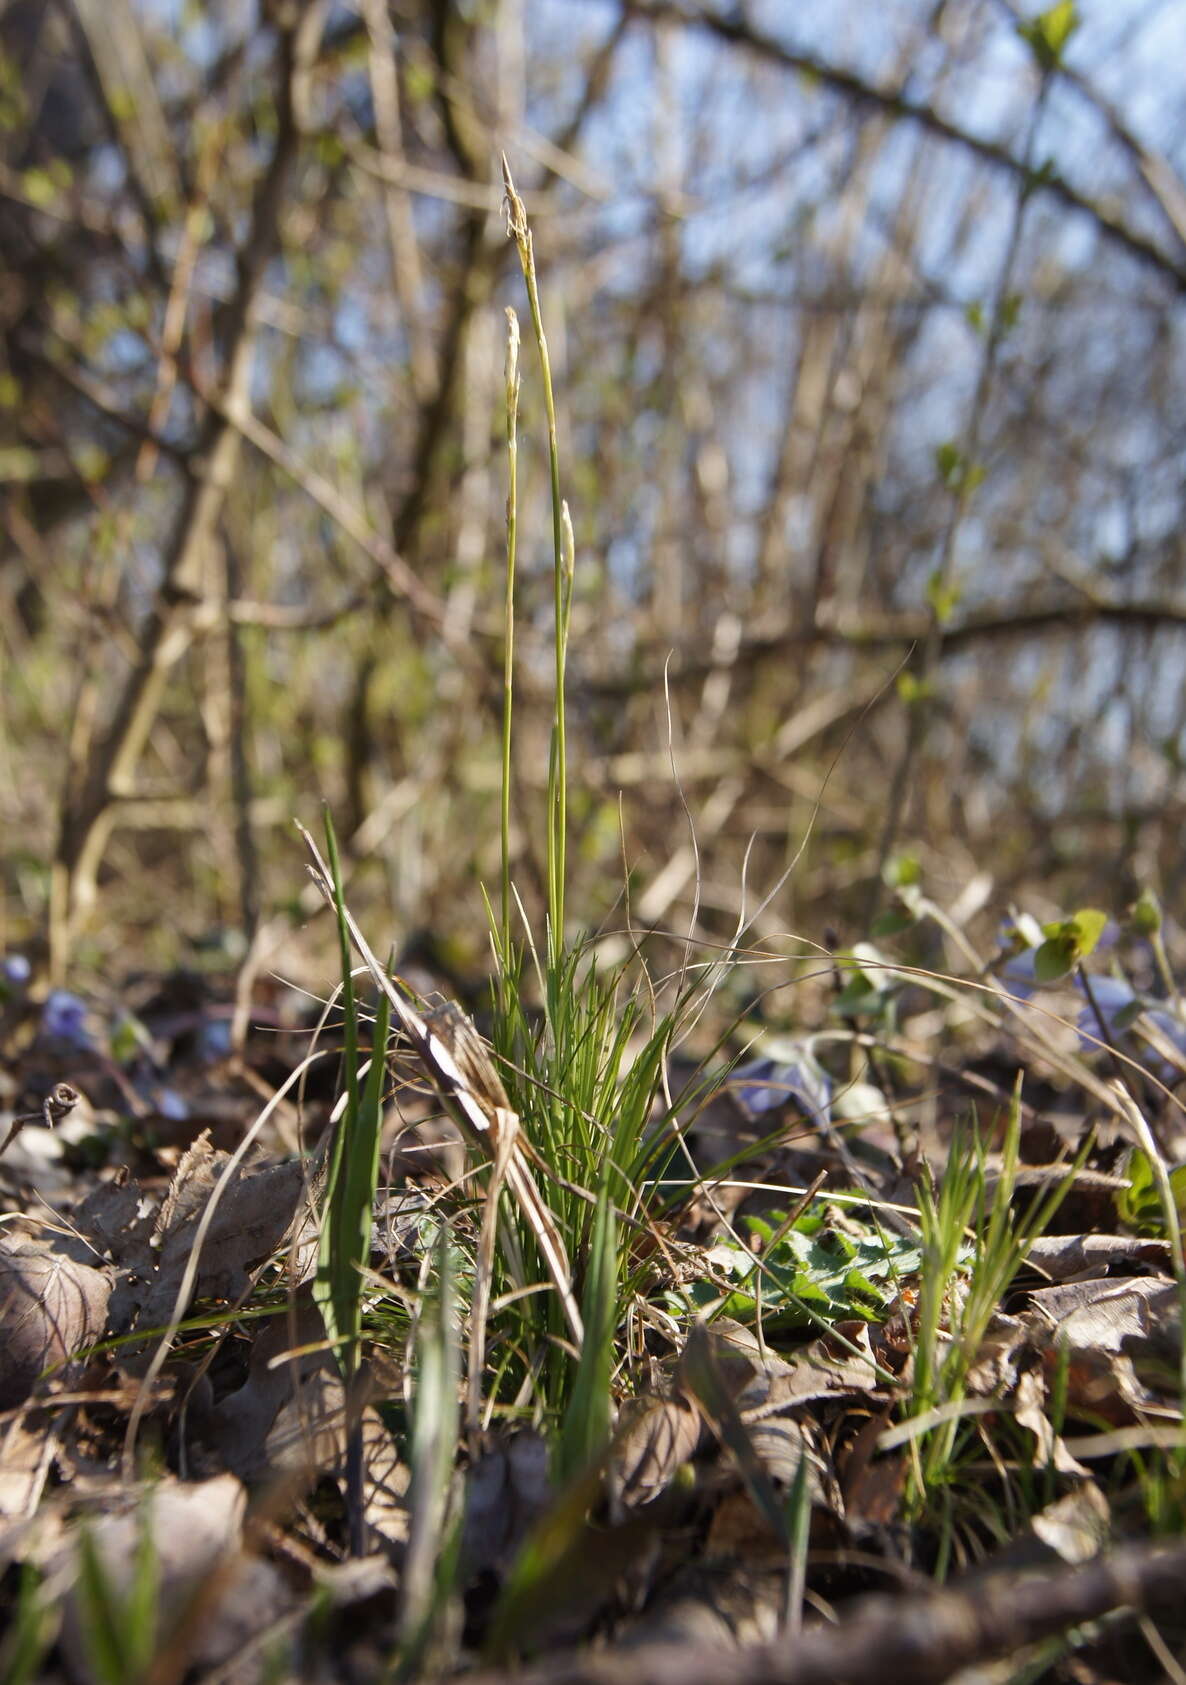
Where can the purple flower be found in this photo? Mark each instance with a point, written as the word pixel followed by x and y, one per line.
pixel 214 1038
pixel 763 1085
pixel 1017 974
pixel 63 1018
pixel 1121 1008
pixel 16 970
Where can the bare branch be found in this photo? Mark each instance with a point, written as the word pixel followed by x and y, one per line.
pixel 738 31
pixel 895 1640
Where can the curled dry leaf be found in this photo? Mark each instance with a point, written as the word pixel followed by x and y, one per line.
pixel 1082 1256
pixel 1006 1346
pixel 50 1308
pixel 1029 1407
pixel 26 1455
pixel 1120 1341
pixel 1077 1527
pixel 1071 1530
pixel 655 1437
pixel 254 1213
pixel 1111 1315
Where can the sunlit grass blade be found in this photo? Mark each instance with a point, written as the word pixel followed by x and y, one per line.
pixel 353 1165
pixel 119 1630
pixel 956 1306
pixel 585 1431
pixel 435 1415
pixel 348 1205
pixel 30 1631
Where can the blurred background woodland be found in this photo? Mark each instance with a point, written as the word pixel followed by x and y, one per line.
pixel 868 331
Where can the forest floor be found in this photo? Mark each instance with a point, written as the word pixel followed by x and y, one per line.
pixel 892 1384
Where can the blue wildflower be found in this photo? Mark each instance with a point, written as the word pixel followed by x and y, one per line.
pixel 63 1018
pixel 763 1085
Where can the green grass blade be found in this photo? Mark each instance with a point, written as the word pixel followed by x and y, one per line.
pixel 433 1446
pixel 118 1636
pixel 586 1428
pixel 30 1633
pixel 353 1172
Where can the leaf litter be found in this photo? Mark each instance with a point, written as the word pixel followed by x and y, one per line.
pixel 774 1379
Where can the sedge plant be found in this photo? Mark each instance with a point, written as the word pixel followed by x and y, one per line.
pixel 351 1180
pixel 584 1082
pixel 973 1244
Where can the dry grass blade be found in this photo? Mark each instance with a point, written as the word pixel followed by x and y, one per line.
pixel 460 1068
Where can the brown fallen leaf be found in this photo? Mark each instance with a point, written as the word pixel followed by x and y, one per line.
pixel 27 1446
pixel 50 1308
pixel 507 1490
pixel 1029 1406
pixel 109 1218
pixel 655 1437
pixel 1070 1257
pixel 871 1486
pixel 253 1215
pixel 211 1596
pixel 1110 1315
pixel 288 1422
pixel 239 1425
pixel 1077 1527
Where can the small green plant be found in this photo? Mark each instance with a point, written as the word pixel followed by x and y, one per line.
pixel 822 1266
pixel 351 1181
pixel 427 1581
pixel 1067 943
pixel 30 1633
pixel 959 1294
pixel 120 1627
pixel 1140 1205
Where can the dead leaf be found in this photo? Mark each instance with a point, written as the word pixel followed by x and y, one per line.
pixel 1111 1315
pixel 26 1452
pixel 50 1308
pixel 1006 1343
pixel 507 1490
pixel 110 1219
pixel 1029 1406
pixel 1078 1526
pixel 655 1437
pixel 871 1485
pixel 1070 1257
pixel 254 1213
pixel 712 1609
pixel 211 1598
pixel 242 1421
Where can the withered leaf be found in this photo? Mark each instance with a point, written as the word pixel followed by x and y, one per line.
pixel 251 1219
pixel 50 1308
pixel 195 1529
pixel 1111 1315
pixel 1076 1527
pixel 507 1490
pixel 1065 1257
pixel 655 1437
pixel 1029 1406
